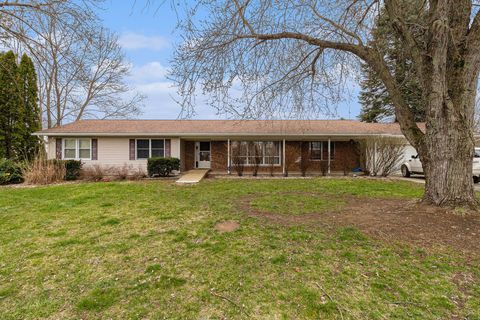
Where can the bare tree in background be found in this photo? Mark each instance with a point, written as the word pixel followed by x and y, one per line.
pixel 83 75
pixel 19 19
pixel 81 66
pixel 292 56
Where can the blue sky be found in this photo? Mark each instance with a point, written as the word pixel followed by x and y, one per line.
pixel 148 38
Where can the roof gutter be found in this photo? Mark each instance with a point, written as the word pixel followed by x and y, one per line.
pixel 208 134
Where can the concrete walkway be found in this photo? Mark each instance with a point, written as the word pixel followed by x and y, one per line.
pixel 193 176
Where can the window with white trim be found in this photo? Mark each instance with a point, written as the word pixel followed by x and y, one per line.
pixel 148 148
pixel 319 150
pixel 261 152
pixel 77 149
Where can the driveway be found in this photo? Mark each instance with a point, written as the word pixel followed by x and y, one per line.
pixel 421 179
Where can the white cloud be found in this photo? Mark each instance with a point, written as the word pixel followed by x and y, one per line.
pixel 134 41
pixel 151 72
pixel 150 79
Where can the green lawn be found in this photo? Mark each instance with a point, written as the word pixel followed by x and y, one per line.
pixel 149 250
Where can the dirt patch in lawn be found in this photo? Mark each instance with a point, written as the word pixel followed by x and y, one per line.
pixel 227 226
pixel 391 220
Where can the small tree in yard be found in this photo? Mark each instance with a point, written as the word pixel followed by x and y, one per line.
pixel 256 157
pixel 270 154
pixel 382 156
pixel 324 167
pixel 344 163
pixel 292 158
pixel 238 157
pixel 305 160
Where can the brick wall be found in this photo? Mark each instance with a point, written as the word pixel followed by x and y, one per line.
pixel 345 156
pixel 219 155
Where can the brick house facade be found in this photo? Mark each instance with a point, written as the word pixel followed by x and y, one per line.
pixel 279 145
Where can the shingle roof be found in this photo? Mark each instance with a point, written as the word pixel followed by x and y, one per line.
pixel 224 127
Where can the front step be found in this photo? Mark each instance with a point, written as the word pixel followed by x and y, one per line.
pixel 193 176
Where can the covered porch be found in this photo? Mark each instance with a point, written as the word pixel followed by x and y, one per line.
pixel 316 155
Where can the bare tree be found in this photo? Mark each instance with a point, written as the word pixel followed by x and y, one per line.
pixel 345 163
pixel 305 158
pixel 383 155
pixel 323 167
pixel 270 157
pixel 80 64
pixel 291 56
pixel 238 157
pixel 292 158
pixel 256 157
pixel 83 76
pixel 19 19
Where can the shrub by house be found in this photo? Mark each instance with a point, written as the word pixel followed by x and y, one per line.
pixel 10 172
pixel 162 166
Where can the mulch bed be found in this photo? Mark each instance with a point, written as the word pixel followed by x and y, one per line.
pixel 392 220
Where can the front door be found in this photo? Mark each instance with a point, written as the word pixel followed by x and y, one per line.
pixel 202 154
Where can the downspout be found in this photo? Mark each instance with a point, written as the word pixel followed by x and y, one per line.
pixel 283 156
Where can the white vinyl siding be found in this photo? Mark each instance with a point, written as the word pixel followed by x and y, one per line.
pixel 113 152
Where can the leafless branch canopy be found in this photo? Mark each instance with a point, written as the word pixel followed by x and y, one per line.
pixel 80 64
pixel 261 59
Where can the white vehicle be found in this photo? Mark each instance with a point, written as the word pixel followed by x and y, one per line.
pixel 414 166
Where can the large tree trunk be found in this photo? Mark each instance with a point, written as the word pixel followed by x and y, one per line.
pixel 447 162
pixel 448 146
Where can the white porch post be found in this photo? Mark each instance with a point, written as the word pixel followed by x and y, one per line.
pixel 228 156
pixel 329 150
pixel 283 156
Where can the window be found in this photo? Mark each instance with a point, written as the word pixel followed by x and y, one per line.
pixel 147 148
pixel 316 150
pixel 319 150
pixel 158 148
pixel 271 152
pixel 84 148
pixel 70 149
pixel 204 152
pixel 261 152
pixel 77 149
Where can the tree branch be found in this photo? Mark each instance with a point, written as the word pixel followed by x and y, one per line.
pixel 373 58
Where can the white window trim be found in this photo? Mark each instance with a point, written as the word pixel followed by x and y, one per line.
pixel 149 147
pixel 77 149
pixel 263 164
